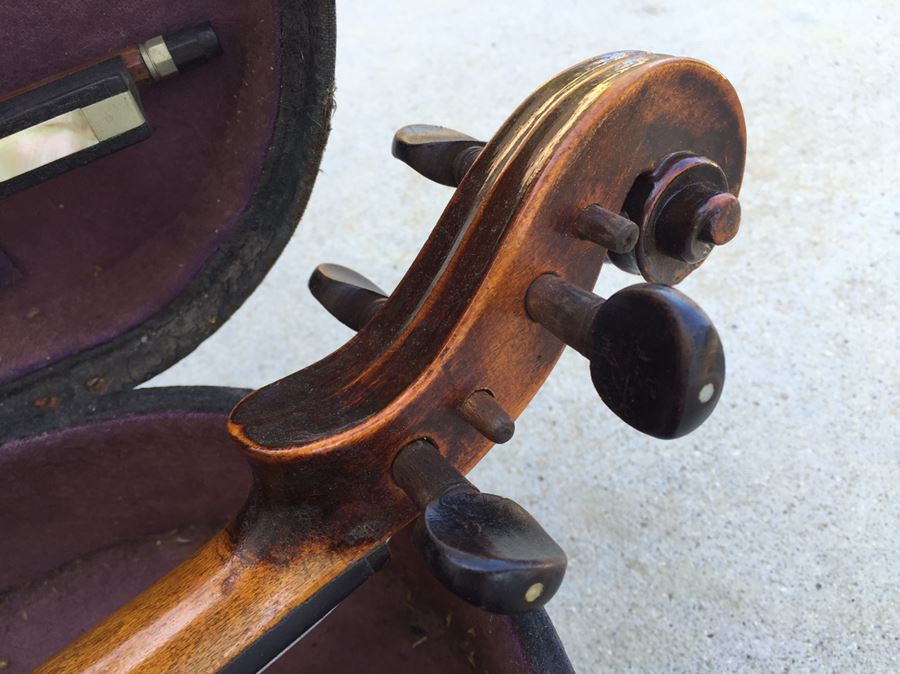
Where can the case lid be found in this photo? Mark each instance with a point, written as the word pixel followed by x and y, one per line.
pixel 112 272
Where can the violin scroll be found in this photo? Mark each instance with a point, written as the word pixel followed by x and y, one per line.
pixel 650 140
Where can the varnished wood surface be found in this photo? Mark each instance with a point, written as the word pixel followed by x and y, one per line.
pixel 322 441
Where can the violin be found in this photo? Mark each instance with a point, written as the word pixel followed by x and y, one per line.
pixel 630 157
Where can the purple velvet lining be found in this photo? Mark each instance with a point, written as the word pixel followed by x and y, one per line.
pixel 66 494
pixel 91 516
pixel 107 246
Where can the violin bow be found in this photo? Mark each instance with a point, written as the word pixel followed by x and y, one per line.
pixel 631 155
pixel 80 115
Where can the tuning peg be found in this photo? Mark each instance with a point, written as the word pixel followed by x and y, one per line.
pixel 348 296
pixel 488 417
pixel 684 209
pixel 695 220
pixel 485 549
pixel 656 358
pixel 440 154
pixel 605 228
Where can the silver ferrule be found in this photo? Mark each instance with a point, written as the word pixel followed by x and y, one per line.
pixel 158 59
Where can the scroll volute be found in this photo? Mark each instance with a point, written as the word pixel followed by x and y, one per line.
pixel 322 441
pixel 457 322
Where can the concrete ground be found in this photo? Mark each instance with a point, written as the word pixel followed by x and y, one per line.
pixel 768 540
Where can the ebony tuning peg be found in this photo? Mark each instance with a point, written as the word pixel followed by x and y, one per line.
pixel 656 358
pixel 685 209
pixel 485 549
pixel 614 232
pixel 440 154
pixel 348 296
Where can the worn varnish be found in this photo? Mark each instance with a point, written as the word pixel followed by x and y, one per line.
pixel 322 441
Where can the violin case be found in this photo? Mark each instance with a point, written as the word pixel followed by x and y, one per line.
pixel 112 273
